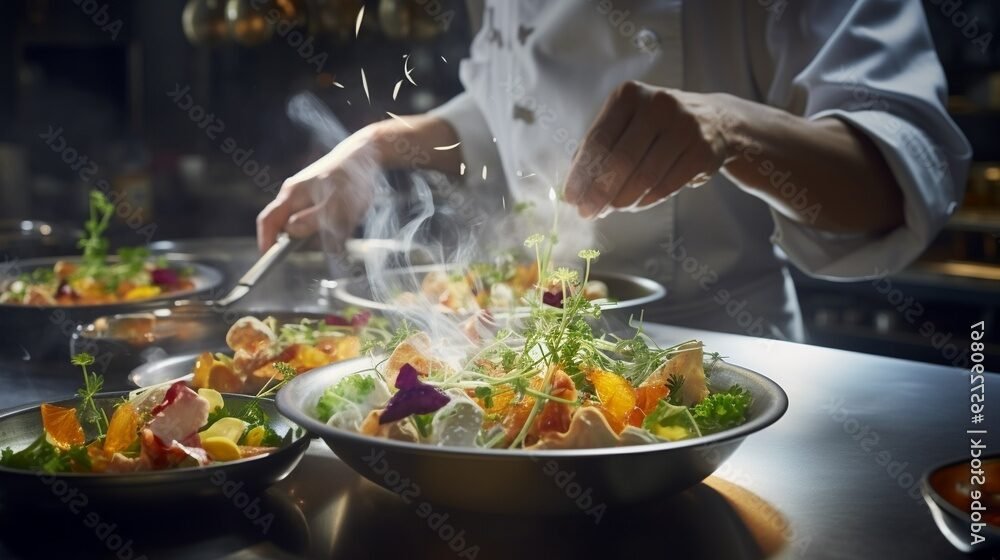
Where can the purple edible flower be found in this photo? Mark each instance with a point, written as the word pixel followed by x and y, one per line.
pixel 65 289
pixel 413 397
pixel 553 299
pixel 360 319
pixel 164 276
pixel 336 321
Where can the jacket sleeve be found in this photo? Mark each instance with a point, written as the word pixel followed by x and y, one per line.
pixel 871 64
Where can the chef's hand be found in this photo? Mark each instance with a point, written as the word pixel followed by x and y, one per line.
pixel 335 191
pixel 646 143
pixel 649 142
pixel 332 190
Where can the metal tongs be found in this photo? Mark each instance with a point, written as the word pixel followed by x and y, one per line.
pixel 281 248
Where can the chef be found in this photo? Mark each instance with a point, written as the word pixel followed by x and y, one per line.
pixel 705 143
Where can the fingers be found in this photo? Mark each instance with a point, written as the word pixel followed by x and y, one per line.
pixel 304 223
pixel 272 219
pixel 604 133
pixel 619 165
pixel 655 164
pixel 695 163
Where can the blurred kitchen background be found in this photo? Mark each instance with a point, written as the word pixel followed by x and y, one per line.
pixel 182 107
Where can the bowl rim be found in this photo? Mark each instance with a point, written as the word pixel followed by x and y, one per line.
pixel 207 277
pixel 931 493
pixel 768 416
pixel 339 289
pixel 297 440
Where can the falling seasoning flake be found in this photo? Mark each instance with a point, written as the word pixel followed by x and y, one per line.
pixel 357 23
pixel 552 194
pixel 461 169
pixel 407 69
pixel 338 84
pixel 528 176
pixel 444 148
pixel 364 84
pixel 395 90
pixel 444 59
pixel 484 173
pixel 399 118
pixel 503 201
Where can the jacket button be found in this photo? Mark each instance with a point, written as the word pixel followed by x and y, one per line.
pixel 647 40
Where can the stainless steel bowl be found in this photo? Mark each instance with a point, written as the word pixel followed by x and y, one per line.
pixel 127 341
pixel 954 523
pixel 522 482
pixel 625 290
pixel 20 427
pixel 45 331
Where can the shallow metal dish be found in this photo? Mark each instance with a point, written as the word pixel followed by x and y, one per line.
pixel 522 482
pixel 126 341
pixel 45 331
pixel 954 523
pixel 20 427
pixel 625 290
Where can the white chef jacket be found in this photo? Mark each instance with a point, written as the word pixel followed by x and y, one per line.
pixel 539 71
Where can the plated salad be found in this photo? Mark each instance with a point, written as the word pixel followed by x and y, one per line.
pixel 260 346
pixel 498 285
pixel 547 382
pixel 164 427
pixel 98 278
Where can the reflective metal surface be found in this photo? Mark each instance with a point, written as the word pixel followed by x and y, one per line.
pixel 625 290
pixel 520 482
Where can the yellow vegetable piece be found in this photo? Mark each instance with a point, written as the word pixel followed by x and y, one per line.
pixel 228 428
pixel 672 433
pixel 221 448
pixel 142 292
pixel 308 357
pixel 255 436
pixel 617 397
pixel 213 397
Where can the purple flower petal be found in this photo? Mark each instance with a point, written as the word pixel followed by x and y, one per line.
pixel 553 299
pixel 65 290
pixel 337 321
pixel 408 377
pixel 164 276
pixel 413 397
pixel 360 319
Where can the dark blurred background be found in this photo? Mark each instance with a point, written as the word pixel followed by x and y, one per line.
pixel 181 106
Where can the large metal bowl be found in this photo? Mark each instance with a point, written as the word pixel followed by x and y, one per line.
pixel 624 290
pixel 45 331
pixel 544 481
pixel 20 427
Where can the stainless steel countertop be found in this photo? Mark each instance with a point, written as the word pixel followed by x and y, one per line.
pixel 837 477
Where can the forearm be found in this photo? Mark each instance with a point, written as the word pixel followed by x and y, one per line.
pixel 822 173
pixel 398 146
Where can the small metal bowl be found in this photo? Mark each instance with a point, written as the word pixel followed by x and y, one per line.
pixel 953 479
pixel 45 330
pixel 526 482
pixel 124 342
pixel 624 290
pixel 20 427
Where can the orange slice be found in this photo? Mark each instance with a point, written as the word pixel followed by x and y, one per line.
pixel 123 429
pixel 62 426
